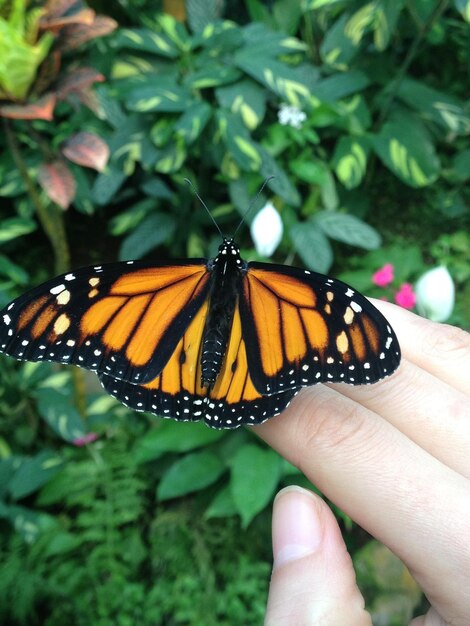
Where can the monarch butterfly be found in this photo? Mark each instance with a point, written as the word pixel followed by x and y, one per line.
pixel 222 340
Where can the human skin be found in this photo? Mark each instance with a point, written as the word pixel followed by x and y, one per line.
pixel 395 456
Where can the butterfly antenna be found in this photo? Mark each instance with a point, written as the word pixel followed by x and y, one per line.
pixel 252 203
pixel 194 190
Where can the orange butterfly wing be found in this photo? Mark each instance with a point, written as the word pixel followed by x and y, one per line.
pixel 302 328
pixel 123 319
pixel 177 391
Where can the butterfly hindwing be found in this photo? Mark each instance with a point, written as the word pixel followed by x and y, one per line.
pixel 177 391
pixel 123 318
pixel 303 328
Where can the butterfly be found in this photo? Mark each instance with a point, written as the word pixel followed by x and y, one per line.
pixel 223 340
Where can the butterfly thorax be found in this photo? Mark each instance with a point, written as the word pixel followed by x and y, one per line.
pixel 227 270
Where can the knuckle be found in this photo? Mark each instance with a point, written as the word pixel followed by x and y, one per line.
pixel 449 342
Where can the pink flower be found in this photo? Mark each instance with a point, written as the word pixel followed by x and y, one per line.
pixel 405 296
pixel 82 441
pixel 383 276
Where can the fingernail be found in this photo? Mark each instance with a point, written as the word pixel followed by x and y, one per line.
pixel 297 528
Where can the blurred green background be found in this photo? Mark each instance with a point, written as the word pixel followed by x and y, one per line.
pixel 360 110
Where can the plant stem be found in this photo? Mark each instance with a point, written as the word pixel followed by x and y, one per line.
pixel 52 222
pixel 50 216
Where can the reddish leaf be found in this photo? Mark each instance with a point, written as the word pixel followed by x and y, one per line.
pixel 88 98
pixel 85 16
pixel 78 80
pixel 77 34
pixel 42 109
pixel 58 182
pixel 88 150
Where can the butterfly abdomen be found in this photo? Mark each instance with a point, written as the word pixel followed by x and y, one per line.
pixel 226 275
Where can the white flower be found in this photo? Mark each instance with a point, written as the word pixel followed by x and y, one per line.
pixel 266 230
pixel 291 115
pixel 435 294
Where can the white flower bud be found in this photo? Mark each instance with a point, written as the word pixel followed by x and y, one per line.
pixel 266 230
pixel 290 115
pixel 435 294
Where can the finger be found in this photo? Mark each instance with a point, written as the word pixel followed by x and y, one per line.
pixel 389 485
pixel 440 349
pixel 430 412
pixel 313 579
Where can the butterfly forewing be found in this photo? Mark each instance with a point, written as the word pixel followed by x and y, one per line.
pixel 123 319
pixel 302 328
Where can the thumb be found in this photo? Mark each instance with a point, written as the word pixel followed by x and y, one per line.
pixel 313 580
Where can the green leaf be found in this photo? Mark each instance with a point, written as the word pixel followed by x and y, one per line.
pixel 149 234
pixel 405 148
pixel 463 6
pixel 386 14
pixel 170 436
pixel 200 13
pixel 445 110
pixel 280 184
pixel 212 75
pixel 340 86
pixel 312 246
pixel 461 165
pixel 56 409
pixel 222 505
pixel 128 220
pixel 33 473
pixel 12 271
pixel 170 158
pixel 191 473
pixel 340 46
pixel 348 229
pixel 246 98
pixel 156 188
pixel 106 185
pixel 255 474
pixel 238 141
pixel 313 5
pixel 350 160
pixel 14 227
pixel 191 124
pixel 146 40
pixel 280 78
pixel 28 524
pixel 168 98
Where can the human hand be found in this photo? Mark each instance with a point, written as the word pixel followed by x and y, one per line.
pixel 395 456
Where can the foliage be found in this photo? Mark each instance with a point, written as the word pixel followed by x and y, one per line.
pixel 368 140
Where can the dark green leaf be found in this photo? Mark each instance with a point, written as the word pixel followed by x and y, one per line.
pixel 191 473
pixel 350 160
pixel 280 78
pixel 406 149
pixel 222 505
pixel 13 271
pixel 191 124
pixel 170 158
pixel 265 42
pixel 312 246
pixel 28 524
pixel 348 229
pixel 246 98
pixel 169 98
pixel 107 185
pixel 150 233
pixel 238 141
pixel 201 13
pixel 461 165
pixel 14 227
pixel 280 184
pixel 128 220
pixel 212 75
pixel 340 86
pixel 170 436
pixel 33 473
pixel 156 188
pixel 58 411
pixel 445 110
pixel 386 14
pixel 146 40
pixel 340 44
pixel 255 474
